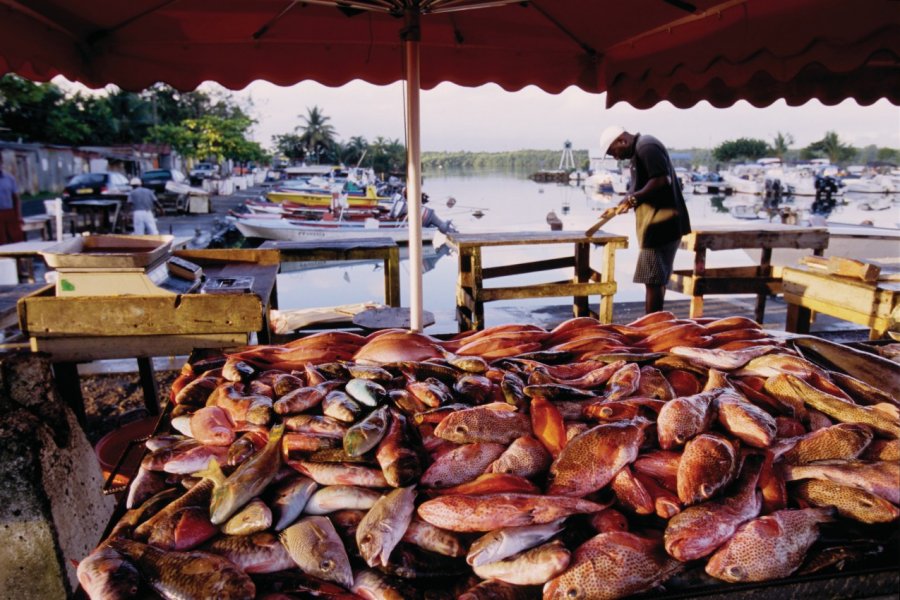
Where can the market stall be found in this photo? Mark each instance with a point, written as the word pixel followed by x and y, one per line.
pixel 702 455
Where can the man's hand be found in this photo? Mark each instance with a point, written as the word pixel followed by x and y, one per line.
pixel 625 205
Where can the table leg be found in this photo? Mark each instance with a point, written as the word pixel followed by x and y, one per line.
pixel 392 278
pixel 68 383
pixel 696 309
pixel 607 275
pixel 765 271
pixel 463 291
pixel 477 287
pixel 580 307
pixel 797 319
pixel 148 384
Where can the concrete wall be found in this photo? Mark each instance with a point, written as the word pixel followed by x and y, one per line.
pixel 52 510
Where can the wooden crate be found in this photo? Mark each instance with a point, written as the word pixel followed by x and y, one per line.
pixel 44 315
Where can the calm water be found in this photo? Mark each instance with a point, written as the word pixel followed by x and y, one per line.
pixel 514 203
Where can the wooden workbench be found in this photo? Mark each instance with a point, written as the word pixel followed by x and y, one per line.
pixel 762 280
pixel 866 303
pixel 380 248
pixel 471 293
pixel 74 329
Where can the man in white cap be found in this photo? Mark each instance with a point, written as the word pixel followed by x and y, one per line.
pixel 143 202
pixel 661 216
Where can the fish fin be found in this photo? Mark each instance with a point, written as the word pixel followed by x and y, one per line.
pixel 213 472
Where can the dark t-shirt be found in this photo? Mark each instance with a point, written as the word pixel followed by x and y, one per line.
pixel 662 216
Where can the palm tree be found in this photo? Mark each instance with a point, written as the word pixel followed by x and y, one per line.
pixel 834 149
pixel 354 150
pixel 317 134
pixel 781 143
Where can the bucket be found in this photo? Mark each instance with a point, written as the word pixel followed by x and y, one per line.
pixel 111 446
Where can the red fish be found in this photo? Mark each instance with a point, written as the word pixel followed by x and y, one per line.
pixel 698 530
pixel 708 464
pixel 591 460
pixel 547 424
pixel 612 565
pixel 769 547
pixel 493 511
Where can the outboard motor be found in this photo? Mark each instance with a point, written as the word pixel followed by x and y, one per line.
pixel 826 187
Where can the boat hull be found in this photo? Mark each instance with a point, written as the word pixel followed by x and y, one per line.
pixel 285 231
pixel 322 200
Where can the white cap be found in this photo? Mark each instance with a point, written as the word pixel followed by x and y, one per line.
pixel 135 181
pixel 608 136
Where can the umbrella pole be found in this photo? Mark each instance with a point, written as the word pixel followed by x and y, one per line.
pixel 413 169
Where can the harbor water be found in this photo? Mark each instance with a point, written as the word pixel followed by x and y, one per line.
pixel 497 202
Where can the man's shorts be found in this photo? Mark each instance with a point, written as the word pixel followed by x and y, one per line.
pixel 654 265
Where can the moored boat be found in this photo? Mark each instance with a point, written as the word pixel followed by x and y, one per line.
pixel 286 230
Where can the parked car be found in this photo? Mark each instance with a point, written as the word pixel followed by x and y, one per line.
pixel 203 171
pixel 110 185
pixel 172 200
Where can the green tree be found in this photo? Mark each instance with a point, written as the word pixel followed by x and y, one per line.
pixel 831 148
pixel 741 149
pixel 354 150
pixel 888 155
pixel 290 145
pixel 317 134
pixel 781 143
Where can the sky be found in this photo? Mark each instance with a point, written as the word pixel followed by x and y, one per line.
pixel 488 118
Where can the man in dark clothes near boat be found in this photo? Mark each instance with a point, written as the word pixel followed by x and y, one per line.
pixel 661 216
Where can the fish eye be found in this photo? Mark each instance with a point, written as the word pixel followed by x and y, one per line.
pixel 367 538
pixel 735 572
pixel 326 565
pixel 461 429
pixel 572 592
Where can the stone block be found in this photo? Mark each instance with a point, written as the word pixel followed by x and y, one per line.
pixel 52 508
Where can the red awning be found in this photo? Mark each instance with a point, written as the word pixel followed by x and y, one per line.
pixel 640 51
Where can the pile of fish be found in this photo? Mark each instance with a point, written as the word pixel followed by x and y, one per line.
pixel 591 461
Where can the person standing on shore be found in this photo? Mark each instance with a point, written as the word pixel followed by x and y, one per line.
pixel 10 209
pixel 143 202
pixel 661 216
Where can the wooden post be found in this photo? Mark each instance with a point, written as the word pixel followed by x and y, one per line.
pixel 765 271
pixel 607 275
pixel 148 384
pixel 69 385
pixel 392 277
pixel 696 309
pixel 580 306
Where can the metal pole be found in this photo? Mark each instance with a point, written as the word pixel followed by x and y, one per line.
pixel 413 170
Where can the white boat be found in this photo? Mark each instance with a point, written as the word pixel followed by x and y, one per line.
pixel 880 184
pixel 745 179
pixel 284 230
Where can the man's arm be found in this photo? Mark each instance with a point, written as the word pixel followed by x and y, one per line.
pixel 636 198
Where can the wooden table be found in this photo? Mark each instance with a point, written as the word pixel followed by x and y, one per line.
pixel 869 304
pixel 381 248
pixel 761 280
pixel 471 293
pixel 74 329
